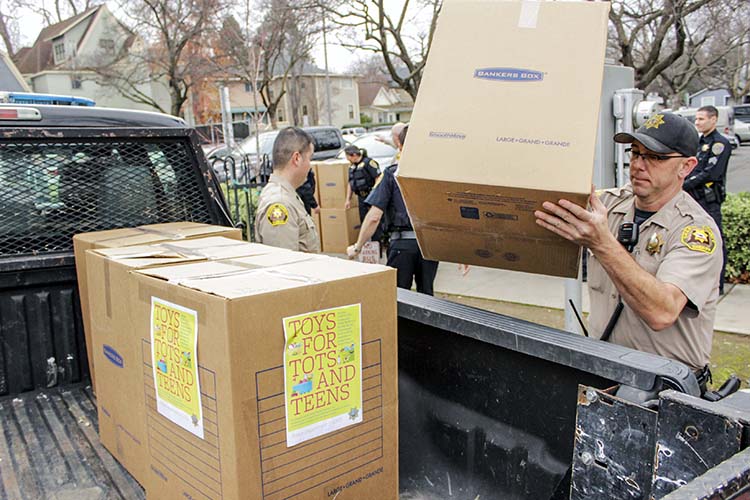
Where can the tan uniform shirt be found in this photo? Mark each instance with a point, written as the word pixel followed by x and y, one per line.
pixel 281 219
pixel 680 244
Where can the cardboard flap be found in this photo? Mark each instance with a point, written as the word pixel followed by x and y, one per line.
pixel 273 259
pixel 215 248
pixel 199 270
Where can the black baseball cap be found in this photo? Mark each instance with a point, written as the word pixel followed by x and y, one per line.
pixel 665 133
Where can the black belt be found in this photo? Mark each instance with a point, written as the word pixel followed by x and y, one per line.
pixel 403 235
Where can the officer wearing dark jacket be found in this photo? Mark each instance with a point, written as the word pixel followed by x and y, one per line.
pixel 363 172
pixel 403 252
pixel 707 182
pixel 306 193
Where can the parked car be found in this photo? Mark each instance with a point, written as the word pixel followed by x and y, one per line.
pixel 350 133
pixel 376 149
pixel 742 130
pixel 742 112
pixel 244 158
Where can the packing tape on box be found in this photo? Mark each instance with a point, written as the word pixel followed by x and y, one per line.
pixel 529 14
pixel 145 292
pixel 201 252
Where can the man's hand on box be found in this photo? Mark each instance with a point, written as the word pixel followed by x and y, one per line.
pixel 351 251
pixel 574 223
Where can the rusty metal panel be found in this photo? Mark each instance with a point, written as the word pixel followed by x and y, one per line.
pixel 614 447
pixel 693 436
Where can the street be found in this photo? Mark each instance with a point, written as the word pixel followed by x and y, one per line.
pixel 738 173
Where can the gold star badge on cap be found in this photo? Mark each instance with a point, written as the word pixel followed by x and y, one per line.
pixel 655 121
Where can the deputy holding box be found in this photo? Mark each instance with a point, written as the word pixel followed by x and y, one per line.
pixel 281 219
pixel 664 293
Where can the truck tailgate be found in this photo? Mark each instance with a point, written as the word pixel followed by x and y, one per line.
pixel 49 448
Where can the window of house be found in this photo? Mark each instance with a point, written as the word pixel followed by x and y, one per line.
pixel 248 87
pixel 302 84
pixel 279 116
pixel 75 82
pixel 346 84
pixel 708 101
pixel 59 50
pixel 304 109
pixel 351 111
pixel 107 45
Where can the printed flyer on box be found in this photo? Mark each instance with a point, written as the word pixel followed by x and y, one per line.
pixel 174 345
pixel 322 372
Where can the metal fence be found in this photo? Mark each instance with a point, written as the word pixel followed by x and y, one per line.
pixel 213 133
pixel 241 179
pixel 53 189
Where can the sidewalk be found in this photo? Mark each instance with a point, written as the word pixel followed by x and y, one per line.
pixel 549 291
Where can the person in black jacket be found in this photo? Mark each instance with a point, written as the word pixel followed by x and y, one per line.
pixel 707 182
pixel 363 174
pixel 403 253
pixel 306 192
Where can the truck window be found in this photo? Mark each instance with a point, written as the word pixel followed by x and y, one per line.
pixel 52 190
pixel 326 140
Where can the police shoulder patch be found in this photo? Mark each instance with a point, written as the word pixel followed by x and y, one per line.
pixel 717 148
pixel 277 214
pixel 373 163
pixel 699 239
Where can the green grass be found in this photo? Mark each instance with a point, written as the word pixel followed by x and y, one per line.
pixel 242 204
pixel 730 353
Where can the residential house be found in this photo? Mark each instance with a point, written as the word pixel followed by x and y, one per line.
pixel 10 78
pixel 710 97
pixel 59 60
pixel 305 101
pixel 385 104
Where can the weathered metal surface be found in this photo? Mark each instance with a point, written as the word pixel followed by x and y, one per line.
pixel 49 449
pixel 693 436
pixel 729 480
pixel 614 448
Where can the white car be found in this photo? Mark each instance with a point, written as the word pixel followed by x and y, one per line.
pixel 742 130
pixel 378 150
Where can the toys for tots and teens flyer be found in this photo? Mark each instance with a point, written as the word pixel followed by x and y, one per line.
pixel 322 372
pixel 174 345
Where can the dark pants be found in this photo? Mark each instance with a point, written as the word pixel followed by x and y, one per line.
pixel 404 255
pixel 363 207
pixel 714 210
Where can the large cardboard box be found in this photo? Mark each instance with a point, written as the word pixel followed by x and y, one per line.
pixel 501 125
pixel 333 178
pixel 339 228
pixel 142 235
pixel 115 345
pixel 237 445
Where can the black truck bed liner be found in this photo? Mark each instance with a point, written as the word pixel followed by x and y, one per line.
pixel 50 449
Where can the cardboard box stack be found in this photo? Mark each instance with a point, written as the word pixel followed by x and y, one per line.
pixel 236 370
pixel 509 124
pixel 142 235
pixel 339 227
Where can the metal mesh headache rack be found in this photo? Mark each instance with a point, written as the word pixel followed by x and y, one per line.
pixel 53 189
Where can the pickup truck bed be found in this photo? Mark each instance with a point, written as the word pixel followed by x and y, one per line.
pixel 50 449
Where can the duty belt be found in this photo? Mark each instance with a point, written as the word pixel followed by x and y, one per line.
pixel 403 235
pixel 703 376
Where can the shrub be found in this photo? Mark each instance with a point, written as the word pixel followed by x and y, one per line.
pixel 736 221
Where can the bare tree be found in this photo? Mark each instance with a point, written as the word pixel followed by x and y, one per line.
pixel 174 50
pixel 271 54
pixel 8 27
pixel 392 35
pixel 651 35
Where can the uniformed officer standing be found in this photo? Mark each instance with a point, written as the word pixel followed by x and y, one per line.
pixel 403 253
pixel 669 286
pixel 707 182
pixel 281 219
pixel 363 172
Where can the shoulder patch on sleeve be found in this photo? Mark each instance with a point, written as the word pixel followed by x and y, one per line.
pixel 717 148
pixel 277 214
pixel 374 163
pixel 699 239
